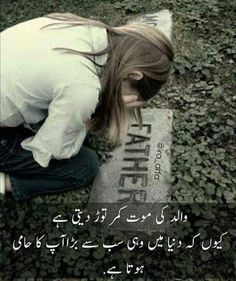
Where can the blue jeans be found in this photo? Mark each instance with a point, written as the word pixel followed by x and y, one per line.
pixel 28 178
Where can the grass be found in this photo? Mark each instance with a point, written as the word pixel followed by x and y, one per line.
pixel 201 94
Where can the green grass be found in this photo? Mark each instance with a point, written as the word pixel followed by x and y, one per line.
pixel 201 92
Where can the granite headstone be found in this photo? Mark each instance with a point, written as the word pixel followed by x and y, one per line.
pixel 140 168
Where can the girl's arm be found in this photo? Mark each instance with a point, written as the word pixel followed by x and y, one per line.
pixel 64 130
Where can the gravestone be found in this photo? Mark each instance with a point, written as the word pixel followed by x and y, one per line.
pixel 140 168
pixel 161 20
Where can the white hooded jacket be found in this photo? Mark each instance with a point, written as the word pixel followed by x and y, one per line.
pixel 38 82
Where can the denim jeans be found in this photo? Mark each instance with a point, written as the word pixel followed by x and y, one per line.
pixel 28 178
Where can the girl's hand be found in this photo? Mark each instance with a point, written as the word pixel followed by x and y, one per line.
pixel 130 95
pixel 132 101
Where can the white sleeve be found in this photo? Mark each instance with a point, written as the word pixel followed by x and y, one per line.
pixel 64 130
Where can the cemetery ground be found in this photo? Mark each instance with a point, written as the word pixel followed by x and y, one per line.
pixel 201 94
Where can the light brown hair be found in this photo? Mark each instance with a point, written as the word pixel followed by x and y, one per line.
pixel 134 46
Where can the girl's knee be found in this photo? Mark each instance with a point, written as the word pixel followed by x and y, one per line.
pixel 93 163
pixel 86 165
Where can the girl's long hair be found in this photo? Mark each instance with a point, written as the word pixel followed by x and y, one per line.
pixel 135 46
